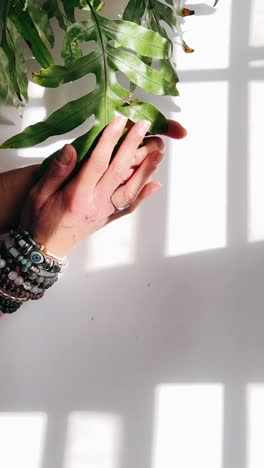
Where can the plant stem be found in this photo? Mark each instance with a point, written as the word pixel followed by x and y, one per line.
pixel 94 14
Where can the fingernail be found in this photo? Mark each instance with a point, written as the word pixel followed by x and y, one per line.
pixel 157 157
pixel 119 122
pixel 65 156
pixel 143 126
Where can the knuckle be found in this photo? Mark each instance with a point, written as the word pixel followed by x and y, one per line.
pixel 160 143
pixel 119 174
pixel 33 194
pixel 73 204
pixel 130 196
pixel 34 200
pixel 90 216
pixel 98 163
pixel 35 205
pixel 57 169
pixel 154 142
pixel 153 167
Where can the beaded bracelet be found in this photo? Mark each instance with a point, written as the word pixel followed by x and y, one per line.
pixel 26 270
pixel 8 306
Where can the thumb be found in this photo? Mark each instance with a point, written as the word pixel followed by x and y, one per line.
pixel 57 173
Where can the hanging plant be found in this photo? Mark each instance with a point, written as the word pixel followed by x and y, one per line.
pixel 133 45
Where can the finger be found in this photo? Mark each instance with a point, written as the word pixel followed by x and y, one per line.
pixel 150 145
pixel 118 169
pixel 148 190
pixel 92 170
pixel 175 130
pixel 128 193
pixel 57 173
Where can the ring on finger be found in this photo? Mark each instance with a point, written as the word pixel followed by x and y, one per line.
pixel 119 209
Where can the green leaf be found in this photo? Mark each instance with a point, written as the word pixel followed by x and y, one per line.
pixel 53 11
pixel 56 75
pixel 168 71
pixel 153 14
pixel 40 19
pixel 10 75
pixel 127 34
pixel 28 31
pixel 3 77
pixel 137 38
pixel 141 74
pixel 135 69
pixel 69 6
pixel 108 97
pixel 15 69
pixel 14 41
pixel 97 5
pixel 134 11
pixel 62 121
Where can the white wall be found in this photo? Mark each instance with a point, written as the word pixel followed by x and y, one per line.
pixel 149 354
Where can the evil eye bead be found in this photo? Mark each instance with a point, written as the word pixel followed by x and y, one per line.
pixel 36 257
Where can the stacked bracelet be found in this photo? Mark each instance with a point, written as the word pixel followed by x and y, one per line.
pixel 26 270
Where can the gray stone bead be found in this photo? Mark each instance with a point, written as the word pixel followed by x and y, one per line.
pixel 12 275
pixel 32 275
pixel 34 269
pixel 39 280
pixel 19 281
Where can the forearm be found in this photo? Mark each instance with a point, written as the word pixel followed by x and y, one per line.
pixel 14 188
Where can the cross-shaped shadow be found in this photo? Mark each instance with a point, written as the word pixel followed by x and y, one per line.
pixel 199 319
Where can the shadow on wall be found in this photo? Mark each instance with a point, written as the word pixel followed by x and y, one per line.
pixel 156 362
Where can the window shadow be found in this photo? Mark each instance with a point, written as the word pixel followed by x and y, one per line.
pixel 105 340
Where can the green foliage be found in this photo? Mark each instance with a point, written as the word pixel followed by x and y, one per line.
pixel 130 46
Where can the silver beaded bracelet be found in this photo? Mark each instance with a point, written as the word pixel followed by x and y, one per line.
pixel 27 266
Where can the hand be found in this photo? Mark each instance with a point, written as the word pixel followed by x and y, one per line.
pixel 59 216
pixel 16 184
